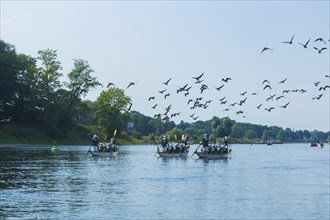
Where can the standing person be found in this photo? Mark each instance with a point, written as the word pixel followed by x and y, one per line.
pixel 205 143
pixel 95 142
pixel 164 144
pixel 225 140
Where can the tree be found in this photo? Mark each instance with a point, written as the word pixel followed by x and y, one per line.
pixel 111 112
pixel 251 134
pixel 49 72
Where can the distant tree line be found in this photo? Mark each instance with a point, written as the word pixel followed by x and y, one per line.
pixel 31 92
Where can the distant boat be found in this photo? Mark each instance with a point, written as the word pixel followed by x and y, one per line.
pixel 315 144
pixel 55 148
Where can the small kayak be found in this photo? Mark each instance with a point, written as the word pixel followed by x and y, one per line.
pixel 55 148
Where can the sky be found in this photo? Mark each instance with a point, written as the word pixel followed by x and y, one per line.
pixel 149 42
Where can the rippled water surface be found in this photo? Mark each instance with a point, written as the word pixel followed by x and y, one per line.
pixel 289 181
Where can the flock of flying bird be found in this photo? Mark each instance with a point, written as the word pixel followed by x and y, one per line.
pixel 166 113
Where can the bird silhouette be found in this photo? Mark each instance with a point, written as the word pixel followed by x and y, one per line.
pixel 318 97
pixel 220 87
pixel 284 106
pixel 239 112
pixel 324 87
pixel 269 109
pixel 283 81
pixel 265 48
pixel 110 84
pixel 289 42
pixel 130 84
pixel 154 107
pixel 265 81
pixel 166 83
pixel 320 39
pixel 150 98
pixel 258 107
pixel 195 118
pixel 320 50
pixel 192 115
pixel 305 45
pixel 267 86
pixel 226 79
pixel 286 91
pixel 166 95
pixel 198 77
pixel 130 106
pixel 161 92
pixel 317 83
pixel 327 76
pixel 243 93
pixel 222 99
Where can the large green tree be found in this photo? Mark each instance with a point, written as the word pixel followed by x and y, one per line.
pixel 111 112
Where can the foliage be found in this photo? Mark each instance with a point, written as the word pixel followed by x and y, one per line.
pixel 111 110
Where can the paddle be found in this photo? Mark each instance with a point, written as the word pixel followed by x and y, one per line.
pixel 157 149
pixel 196 150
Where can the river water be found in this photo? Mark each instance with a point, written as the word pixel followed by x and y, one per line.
pixel 288 181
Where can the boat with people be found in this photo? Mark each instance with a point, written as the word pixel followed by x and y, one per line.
pixel 213 151
pixel 104 150
pixel 316 144
pixel 175 149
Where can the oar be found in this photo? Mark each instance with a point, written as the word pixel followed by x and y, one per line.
pixel 195 151
pixel 157 150
pixel 89 150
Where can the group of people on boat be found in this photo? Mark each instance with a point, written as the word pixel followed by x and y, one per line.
pixel 103 147
pixel 181 146
pixel 216 148
pixel 316 144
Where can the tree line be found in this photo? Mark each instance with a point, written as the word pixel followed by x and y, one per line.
pixel 31 92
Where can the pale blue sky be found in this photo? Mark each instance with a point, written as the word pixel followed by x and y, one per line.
pixel 150 42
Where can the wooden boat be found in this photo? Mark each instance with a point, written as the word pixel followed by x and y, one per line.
pixel 109 151
pixel 221 155
pixel 182 151
pixel 166 154
pixel 315 144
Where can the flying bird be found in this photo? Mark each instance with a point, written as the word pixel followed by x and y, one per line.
pixel 110 84
pixel 166 95
pixel 265 48
pixel 283 81
pixel 265 81
pixel 317 83
pixel 166 83
pixel 320 39
pixel 161 92
pixel 289 42
pixel 267 86
pixel 226 79
pixel 198 77
pixel 320 50
pixel 305 45
pixel 150 98
pixel 154 106
pixel 258 107
pixel 284 106
pixel 324 88
pixel 269 109
pixel 130 106
pixel 130 84
pixel 243 93
pixel 220 87
pixel 318 97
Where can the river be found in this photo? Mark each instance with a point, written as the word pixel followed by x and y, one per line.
pixel 287 181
